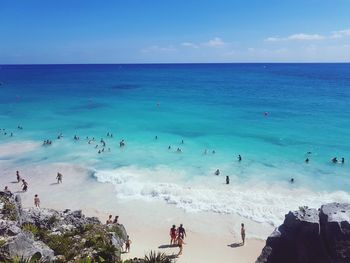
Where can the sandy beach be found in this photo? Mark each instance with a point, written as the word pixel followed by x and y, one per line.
pixel 210 237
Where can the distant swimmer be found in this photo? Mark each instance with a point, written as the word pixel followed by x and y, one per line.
pixel 96 146
pixel 213 152
pixel 227 179
pixel 182 141
pixel 292 180
pixel 169 147
pixel 179 150
pixel 307 160
pixel 309 153
pixel 334 160
pixel 239 157
pixel 342 160
pixel 99 151
pixel 266 113
pixel 217 172
pixel 122 143
pixel 156 138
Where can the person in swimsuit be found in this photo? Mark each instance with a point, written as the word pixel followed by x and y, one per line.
pixel 127 244
pixel 307 160
pixel 181 232
pixel 342 160
pixel 24 186
pixel 115 221
pixel 18 177
pixel 36 201
pixel 180 243
pixel 239 157
pixel 109 220
pixel 243 234
pixel 173 235
pixel 217 172
pixel 227 179
pixel 59 178
pixel 334 160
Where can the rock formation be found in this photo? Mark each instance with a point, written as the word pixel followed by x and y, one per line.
pixel 60 236
pixel 311 236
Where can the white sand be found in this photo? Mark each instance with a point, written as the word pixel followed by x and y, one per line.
pixel 209 235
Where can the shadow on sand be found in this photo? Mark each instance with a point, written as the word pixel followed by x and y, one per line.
pixel 234 245
pixel 53 183
pixel 167 246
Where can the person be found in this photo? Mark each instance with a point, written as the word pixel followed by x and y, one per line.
pixel 227 179
pixel 115 221
pixel 109 220
pixel 292 180
pixel 334 160
pixel 182 141
pixel 342 160
pixel 173 235
pixel 36 201
pixel 243 233
pixel 307 160
pixel 127 244
pixel 178 150
pixel 169 147
pixel 213 152
pixel 7 190
pixel 18 177
pixel 156 138
pixel 180 243
pixel 24 186
pixel 217 172
pixel 181 232
pixel 59 178
pixel 122 143
pixel 239 157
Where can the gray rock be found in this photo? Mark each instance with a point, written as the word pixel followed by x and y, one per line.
pixel 23 245
pixel 310 235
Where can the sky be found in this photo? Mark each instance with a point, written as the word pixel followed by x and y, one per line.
pixel 174 31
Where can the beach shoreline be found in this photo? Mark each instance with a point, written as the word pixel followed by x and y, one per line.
pixel 147 222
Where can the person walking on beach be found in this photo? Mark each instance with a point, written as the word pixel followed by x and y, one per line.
pixel 18 177
pixel 173 235
pixel 243 234
pixel 227 179
pixel 127 244
pixel 181 232
pixel 115 221
pixel 24 186
pixel 180 243
pixel 36 201
pixel 59 178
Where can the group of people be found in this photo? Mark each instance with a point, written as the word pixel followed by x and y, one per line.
pixel 177 236
pixel 111 221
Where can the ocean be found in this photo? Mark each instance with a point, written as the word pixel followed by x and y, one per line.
pixel 273 115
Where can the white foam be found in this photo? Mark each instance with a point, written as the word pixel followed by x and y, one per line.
pixel 261 202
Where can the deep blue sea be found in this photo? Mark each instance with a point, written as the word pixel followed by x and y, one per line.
pixel 270 114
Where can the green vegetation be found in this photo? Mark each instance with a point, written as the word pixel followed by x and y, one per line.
pixel 2 242
pixel 9 209
pixel 154 257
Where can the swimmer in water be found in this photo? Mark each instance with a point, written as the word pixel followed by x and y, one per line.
pixel 156 138
pixel 178 150
pixel 334 160
pixel 342 160
pixel 217 172
pixel 227 179
pixel 307 160
pixel 292 180
pixel 213 152
pixel 239 157
pixel 169 147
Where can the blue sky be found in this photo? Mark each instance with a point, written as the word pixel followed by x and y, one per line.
pixel 151 31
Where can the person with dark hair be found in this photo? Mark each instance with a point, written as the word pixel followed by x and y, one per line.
pixel 173 235
pixel 36 201
pixel 227 179
pixel 243 234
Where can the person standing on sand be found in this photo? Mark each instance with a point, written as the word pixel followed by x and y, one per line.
pixel 24 186
pixel 243 234
pixel 127 244
pixel 115 221
pixel 59 178
pixel 180 243
pixel 36 201
pixel 181 232
pixel 173 235
pixel 18 177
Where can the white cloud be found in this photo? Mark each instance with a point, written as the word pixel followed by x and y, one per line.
pixel 189 44
pixel 340 33
pixel 215 42
pixel 297 37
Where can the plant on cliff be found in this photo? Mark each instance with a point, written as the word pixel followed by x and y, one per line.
pixel 158 257
pixel 9 209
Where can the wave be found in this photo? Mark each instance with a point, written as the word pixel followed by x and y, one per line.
pixel 258 201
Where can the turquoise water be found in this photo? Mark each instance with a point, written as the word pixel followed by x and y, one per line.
pixel 210 106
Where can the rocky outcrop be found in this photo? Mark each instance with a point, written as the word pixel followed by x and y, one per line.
pixel 310 235
pixel 55 236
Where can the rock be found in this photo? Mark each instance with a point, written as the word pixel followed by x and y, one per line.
pixel 9 228
pixel 310 235
pixel 23 245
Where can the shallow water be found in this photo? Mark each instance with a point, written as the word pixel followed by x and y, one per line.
pixel 210 106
